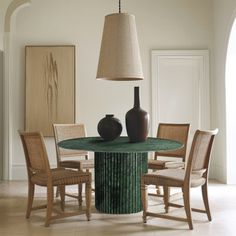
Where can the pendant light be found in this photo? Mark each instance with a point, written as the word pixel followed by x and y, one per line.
pixel 119 58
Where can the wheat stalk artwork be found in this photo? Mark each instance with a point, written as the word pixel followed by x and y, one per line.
pixel 50 87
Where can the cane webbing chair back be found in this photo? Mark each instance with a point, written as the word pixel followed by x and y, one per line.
pixel 178 132
pixel 195 175
pixel 200 153
pixel 72 159
pixel 35 152
pixel 39 173
pixel 68 131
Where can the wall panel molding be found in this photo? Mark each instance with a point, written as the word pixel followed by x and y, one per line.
pixel 180 89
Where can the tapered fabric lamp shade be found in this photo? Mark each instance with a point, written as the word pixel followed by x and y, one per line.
pixel 119 55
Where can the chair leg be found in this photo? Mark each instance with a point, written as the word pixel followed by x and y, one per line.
pixel 31 188
pixel 62 195
pixel 144 195
pixel 205 200
pixel 158 190
pixel 186 194
pixel 57 191
pixel 88 197
pixel 80 190
pixel 166 197
pixel 49 204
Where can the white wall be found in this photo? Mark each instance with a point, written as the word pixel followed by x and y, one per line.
pixel 161 24
pixel 230 85
pixel 224 14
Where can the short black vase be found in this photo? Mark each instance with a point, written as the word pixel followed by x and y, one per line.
pixel 109 128
pixel 137 121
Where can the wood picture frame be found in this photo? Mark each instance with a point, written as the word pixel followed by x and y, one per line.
pixel 50 87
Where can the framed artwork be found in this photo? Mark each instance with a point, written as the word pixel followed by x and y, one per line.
pixel 50 87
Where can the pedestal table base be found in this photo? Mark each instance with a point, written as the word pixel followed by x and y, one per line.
pixel 118 181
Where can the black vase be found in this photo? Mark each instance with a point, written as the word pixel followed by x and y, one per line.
pixel 137 121
pixel 109 128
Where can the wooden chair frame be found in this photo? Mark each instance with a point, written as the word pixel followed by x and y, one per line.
pixel 39 173
pixel 196 166
pixel 174 131
pixel 69 131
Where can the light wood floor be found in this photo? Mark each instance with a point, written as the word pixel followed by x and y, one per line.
pixel 13 223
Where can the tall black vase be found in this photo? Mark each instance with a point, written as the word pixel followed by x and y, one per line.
pixel 137 121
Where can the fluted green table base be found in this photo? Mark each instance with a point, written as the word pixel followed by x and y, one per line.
pixel 118 181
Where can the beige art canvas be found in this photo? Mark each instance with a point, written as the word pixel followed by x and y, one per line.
pixel 50 87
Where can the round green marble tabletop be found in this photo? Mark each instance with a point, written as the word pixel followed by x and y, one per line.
pixel 119 165
pixel 119 145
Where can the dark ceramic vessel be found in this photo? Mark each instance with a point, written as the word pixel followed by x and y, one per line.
pixel 137 121
pixel 109 128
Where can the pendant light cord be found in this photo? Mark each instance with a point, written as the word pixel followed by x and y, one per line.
pixel 119 6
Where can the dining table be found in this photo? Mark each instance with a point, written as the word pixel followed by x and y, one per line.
pixel 119 165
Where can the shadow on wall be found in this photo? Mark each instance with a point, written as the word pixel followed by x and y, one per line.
pixel 1 114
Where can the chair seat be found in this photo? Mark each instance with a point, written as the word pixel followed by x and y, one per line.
pixel 78 164
pixel 172 177
pixel 160 164
pixel 61 176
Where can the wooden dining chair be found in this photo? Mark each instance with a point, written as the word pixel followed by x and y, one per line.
pixel 64 156
pixel 196 174
pixel 178 132
pixel 39 173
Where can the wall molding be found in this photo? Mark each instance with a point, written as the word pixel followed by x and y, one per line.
pixel 7 83
pixel 167 67
pixel 12 8
pixel 1 115
pixel 203 93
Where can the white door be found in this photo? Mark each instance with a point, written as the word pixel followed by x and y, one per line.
pixel 180 88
